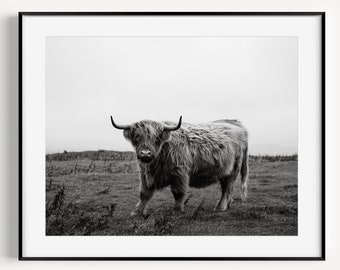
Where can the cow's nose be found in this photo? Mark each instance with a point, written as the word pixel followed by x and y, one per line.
pixel 145 153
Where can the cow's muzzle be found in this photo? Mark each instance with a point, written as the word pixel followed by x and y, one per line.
pixel 145 156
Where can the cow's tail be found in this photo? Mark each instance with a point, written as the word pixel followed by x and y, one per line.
pixel 244 175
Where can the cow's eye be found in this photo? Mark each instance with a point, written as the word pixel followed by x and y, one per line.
pixel 136 138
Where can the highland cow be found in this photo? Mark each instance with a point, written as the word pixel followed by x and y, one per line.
pixel 188 155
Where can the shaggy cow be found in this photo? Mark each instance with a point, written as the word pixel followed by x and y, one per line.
pixel 195 155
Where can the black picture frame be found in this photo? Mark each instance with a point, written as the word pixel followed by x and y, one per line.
pixel 322 257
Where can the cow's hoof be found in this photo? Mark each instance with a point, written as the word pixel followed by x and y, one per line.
pixel 133 214
pixel 136 213
pixel 230 202
pixel 220 207
pixel 178 209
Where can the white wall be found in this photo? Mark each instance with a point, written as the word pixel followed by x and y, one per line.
pixel 9 114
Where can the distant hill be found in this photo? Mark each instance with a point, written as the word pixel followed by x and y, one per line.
pixel 92 155
pixel 107 155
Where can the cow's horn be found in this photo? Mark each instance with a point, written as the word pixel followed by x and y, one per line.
pixel 170 128
pixel 119 126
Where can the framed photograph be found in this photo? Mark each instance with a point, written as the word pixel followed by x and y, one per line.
pixel 172 135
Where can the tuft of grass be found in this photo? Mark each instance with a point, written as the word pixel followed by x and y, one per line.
pixel 252 214
pixel 195 214
pixel 104 191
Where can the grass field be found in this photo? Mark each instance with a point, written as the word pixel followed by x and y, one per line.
pixel 93 193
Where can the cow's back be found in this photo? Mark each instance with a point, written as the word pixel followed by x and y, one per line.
pixel 214 148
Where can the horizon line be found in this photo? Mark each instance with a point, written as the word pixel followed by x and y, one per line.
pixel 129 151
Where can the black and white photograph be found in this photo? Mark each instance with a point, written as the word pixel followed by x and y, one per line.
pixel 172 136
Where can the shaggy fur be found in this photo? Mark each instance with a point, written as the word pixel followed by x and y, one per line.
pixel 196 155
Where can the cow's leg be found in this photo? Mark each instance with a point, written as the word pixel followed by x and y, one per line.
pixel 227 186
pixel 179 189
pixel 144 196
pixel 244 176
pixel 179 200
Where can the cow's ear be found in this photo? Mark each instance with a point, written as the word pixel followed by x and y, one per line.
pixel 127 134
pixel 165 136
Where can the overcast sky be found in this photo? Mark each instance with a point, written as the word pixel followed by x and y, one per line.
pixel 252 79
